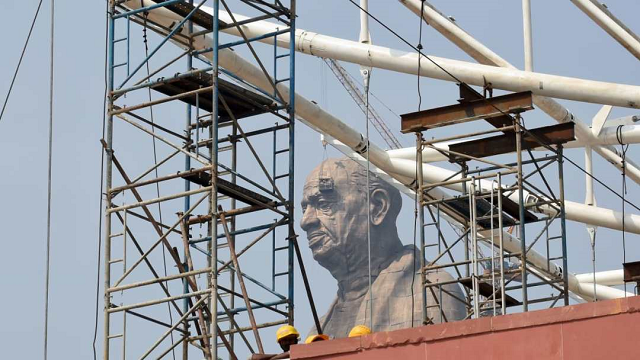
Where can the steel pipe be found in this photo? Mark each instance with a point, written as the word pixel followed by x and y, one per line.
pixel 608 278
pixel 612 25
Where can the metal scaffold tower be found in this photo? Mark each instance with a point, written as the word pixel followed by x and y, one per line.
pixel 189 231
pixel 497 268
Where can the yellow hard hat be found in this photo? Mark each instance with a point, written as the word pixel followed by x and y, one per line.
pixel 314 338
pixel 286 331
pixel 359 330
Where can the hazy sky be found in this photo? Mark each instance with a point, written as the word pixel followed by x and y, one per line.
pixel 566 42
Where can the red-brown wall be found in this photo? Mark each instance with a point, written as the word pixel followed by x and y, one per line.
pixel 603 330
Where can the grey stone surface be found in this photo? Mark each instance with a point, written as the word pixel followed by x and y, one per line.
pixel 335 219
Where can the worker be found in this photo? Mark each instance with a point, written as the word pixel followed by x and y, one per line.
pixel 286 336
pixel 314 338
pixel 359 330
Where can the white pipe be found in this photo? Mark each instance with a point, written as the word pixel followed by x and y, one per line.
pixel 318 119
pixel 609 23
pixel 608 278
pixel 528 35
pixel 365 35
pixel 574 211
pixel 603 292
pixel 407 62
pixel 484 55
pixel 627 134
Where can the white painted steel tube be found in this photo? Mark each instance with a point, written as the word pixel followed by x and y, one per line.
pixel 609 23
pixel 627 134
pixel 608 278
pixel 484 55
pixel 407 62
pixel 528 35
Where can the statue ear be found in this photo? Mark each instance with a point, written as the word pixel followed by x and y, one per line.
pixel 380 205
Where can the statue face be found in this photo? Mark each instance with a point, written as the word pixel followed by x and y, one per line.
pixel 335 219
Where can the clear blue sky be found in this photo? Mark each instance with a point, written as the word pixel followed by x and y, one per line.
pixel 566 43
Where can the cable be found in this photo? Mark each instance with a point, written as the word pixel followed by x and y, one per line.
pixel 415 211
pixel 102 152
pixel 624 192
pixel 50 157
pixel 24 49
pixel 420 54
pixel 366 119
pixel 415 235
pixel 155 160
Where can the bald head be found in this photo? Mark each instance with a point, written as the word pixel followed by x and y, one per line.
pixel 335 213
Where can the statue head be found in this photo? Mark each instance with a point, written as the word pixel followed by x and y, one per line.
pixel 334 217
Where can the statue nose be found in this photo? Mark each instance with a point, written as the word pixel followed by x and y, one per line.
pixel 309 219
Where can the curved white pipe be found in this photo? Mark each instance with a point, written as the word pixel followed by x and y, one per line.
pixel 608 278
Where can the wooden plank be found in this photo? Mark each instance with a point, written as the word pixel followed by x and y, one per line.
pixel 502 144
pixel 490 108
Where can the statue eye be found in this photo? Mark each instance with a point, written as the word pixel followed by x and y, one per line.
pixel 324 205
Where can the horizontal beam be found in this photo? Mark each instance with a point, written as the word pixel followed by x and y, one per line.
pixel 503 144
pixel 467 111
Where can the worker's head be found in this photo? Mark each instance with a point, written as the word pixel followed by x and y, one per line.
pixel 315 338
pixel 334 209
pixel 286 336
pixel 359 330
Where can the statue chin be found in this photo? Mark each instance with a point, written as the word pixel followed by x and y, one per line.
pixel 327 255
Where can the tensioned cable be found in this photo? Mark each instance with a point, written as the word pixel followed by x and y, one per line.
pixel 624 192
pixel 374 95
pixel 102 152
pixel 366 119
pixel 418 186
pixel 419 47
pixel 50 157
pixel 24 49
pixel 155 160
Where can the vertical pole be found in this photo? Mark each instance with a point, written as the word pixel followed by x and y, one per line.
pixel 523 249
pixel 528 36
pixel 108 178
pixel 275 230
pixel 466 237
pixel 565 264
pixel 187 200
pixel 419 195
pixel 503 306
pixel 213 227
pixel 493 249
pixel 474 247
pixel 292 119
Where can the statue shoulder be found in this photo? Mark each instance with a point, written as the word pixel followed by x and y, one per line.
pixel 403 261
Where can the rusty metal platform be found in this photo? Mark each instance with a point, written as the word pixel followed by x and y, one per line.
pixel 502 144
pixel 468 110
pixel 199 18
pixel 232 190
pixel 242 102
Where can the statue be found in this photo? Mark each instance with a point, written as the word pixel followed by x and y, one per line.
pixel 335 219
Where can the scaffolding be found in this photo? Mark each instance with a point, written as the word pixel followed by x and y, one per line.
pixel 496 198
pixel 222 202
